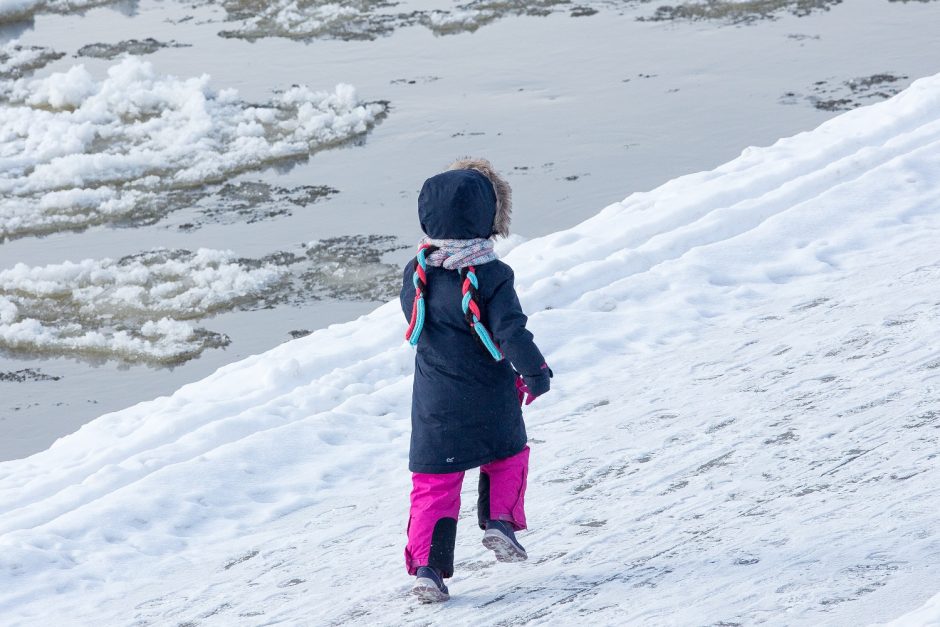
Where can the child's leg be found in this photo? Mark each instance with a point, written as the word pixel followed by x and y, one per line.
pixel 432 527
pixel 502 490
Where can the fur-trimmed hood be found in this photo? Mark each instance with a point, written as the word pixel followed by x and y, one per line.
pixel 500 187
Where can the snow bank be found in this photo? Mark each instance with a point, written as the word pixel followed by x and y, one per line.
pixel 743 428
pixel 76 151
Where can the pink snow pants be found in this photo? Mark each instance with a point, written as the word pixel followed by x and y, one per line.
pixel 435 505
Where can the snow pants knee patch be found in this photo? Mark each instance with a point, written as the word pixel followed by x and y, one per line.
pixel 443 540
pixel 483 500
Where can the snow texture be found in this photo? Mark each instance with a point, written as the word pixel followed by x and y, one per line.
pixel 926 616
pixel 369 19
pixel 134 308
pixel 743 429
pixel 142 308
pixel 13 10
pixel 17 61
pixel 76 151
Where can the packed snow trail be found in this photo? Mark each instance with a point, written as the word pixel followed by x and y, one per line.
pixel 744 424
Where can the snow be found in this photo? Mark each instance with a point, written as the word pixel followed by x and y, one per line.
pixel 369 19
pixel 926 616
pixel 76 151
pixel 12 10
pixel 93 307
pixel 443 21
pixel 743 429
pixel 17 60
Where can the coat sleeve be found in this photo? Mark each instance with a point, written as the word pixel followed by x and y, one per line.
pixel 507 323
pixel 407 296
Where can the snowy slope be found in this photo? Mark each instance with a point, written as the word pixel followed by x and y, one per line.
pixel 926 616
pixel 744 429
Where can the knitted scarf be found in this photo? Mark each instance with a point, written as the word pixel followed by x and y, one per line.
pixel 454 254
pixel 461 255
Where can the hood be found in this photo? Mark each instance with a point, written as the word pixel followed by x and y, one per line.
pixel 457 204
pixel 500 187
pixel 468 201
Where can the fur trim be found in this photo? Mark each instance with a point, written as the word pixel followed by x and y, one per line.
pixel 500 186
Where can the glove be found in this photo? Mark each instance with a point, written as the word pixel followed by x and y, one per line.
pixel 522 390
pixel 531 386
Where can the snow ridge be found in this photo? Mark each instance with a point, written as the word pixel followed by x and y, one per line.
pixel 745 415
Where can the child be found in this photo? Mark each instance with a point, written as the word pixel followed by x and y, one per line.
pixel 472 345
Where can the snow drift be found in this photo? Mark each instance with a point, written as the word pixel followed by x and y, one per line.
pixel 744 429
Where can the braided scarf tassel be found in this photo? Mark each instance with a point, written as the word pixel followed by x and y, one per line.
pixel 471 311
pixel 420 280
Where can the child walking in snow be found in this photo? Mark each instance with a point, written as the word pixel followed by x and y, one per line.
pixel 475 365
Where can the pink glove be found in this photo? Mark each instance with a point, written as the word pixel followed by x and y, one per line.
pixel 525 396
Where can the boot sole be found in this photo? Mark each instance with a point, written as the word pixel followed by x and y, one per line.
pixel 428 592
pixel 503 547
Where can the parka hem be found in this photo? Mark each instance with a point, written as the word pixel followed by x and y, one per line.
pixel 441 469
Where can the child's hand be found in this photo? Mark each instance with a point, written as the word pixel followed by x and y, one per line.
pixel 525 395
pixel 530 387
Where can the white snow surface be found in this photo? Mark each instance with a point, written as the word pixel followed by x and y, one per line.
pixel 926 616
pixel 743 429
pixel 76 151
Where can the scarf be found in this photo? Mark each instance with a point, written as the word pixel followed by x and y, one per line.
pixel 454 254
pixel 460 255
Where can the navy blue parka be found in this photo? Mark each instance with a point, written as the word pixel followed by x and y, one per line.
pixel 465 410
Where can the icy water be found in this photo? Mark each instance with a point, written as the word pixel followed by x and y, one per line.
pixel 233 229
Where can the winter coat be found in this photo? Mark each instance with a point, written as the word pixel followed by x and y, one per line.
pixel 465 409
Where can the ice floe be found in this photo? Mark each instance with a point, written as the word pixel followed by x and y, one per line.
pixel 738 11
pixel 77 151
pixel 136 47
pixel 17 61
pixel 245 201
pixel 144 308
pixel 831 95
pixel 11 10
pixel 368 19
pixel 137 308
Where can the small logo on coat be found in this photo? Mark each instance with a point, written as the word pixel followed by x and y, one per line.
pixel 450 460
